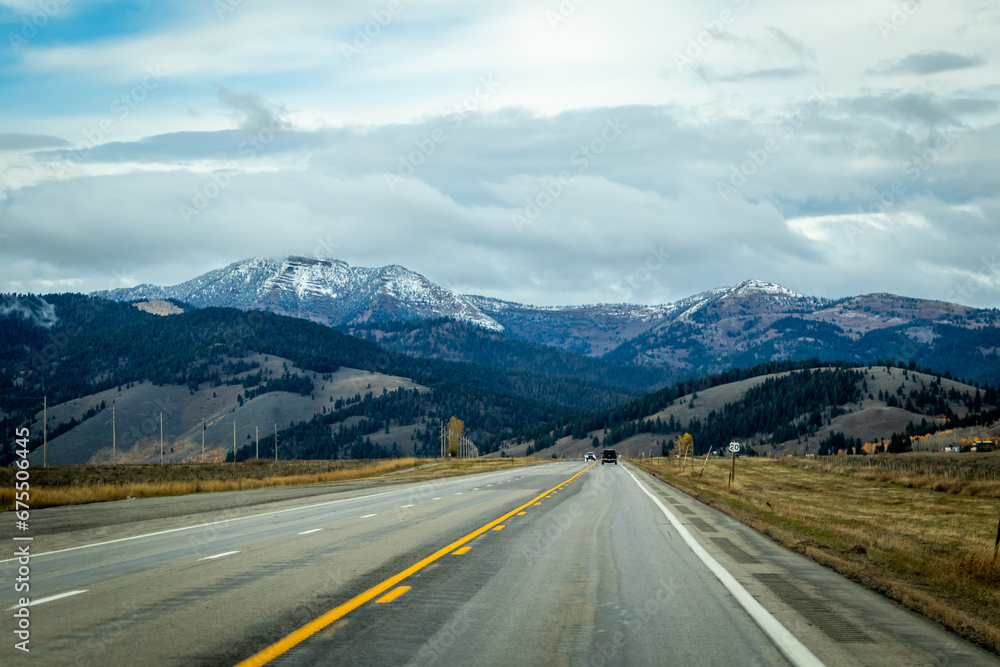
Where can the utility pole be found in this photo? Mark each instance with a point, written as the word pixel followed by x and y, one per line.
pixel 275 443
pixel 203 440
pixel 257 431
pixel 45 431
pixel 234 442
pixel 114 441
pixel 161 438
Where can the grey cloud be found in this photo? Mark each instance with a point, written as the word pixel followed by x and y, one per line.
pixel 923 107
pixel 776 55
pixel 186 147
pixel 255 112
pixel 926 62
pixel 794 46
pixel 18 142
pixel 774 73
pixel 451 219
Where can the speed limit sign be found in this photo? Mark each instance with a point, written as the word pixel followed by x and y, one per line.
pixel 734 447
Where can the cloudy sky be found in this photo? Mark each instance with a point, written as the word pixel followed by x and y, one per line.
pixel 549 152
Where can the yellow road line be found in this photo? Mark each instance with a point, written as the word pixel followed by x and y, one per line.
pixel 463 550
pixel 500 527
pixel 282 646
pixel 521 513
pixel 393 594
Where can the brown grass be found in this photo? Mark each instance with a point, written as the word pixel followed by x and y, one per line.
pixel 964 474
pixel 929 549
pixel 76 485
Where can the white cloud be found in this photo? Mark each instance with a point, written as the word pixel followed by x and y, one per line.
pixel 804 171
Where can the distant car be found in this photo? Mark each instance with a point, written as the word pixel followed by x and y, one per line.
pixel 590 456
pixel 609 456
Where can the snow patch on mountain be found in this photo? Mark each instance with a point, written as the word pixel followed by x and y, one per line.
pixel 328 291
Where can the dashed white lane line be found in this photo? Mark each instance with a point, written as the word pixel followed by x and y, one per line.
pixel 308 532
pixel 368 516
pixel 222 555
pixel 438 498
pixel 410 505
pixel 459 493
pixel 203 525
pixel 50 598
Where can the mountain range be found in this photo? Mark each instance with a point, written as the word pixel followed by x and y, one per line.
pixel 753 322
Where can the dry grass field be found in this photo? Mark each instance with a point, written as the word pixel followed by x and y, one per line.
pixel 74 485
pixel 927 543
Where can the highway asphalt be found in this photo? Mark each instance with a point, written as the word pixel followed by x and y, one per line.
pixel 559 564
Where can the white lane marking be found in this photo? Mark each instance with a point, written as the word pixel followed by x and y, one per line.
pixel 308 532
pixel 368 516
pixel 787 643
pixel 203 525
pixel 222 555
pixel 457 494
pixel 476 489
pixel 438 498
pixel 50 598
pixel 239 518
pixel 405 506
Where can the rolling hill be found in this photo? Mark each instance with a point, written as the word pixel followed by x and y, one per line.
pixel 208 363
pixel 778 408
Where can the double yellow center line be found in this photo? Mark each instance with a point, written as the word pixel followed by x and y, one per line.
pixel 282 646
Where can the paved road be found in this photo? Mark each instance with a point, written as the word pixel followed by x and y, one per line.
pixel 560 564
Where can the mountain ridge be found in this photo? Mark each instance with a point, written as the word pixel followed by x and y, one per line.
pixel 751 322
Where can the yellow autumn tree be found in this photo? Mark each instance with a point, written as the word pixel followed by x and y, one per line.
pixel 456 429
pixel 684 446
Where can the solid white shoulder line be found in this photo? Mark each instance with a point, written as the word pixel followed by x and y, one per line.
pixel 792 648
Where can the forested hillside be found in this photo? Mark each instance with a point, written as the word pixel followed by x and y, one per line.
pixel 795 400
pixel 460 341
pixel 97 345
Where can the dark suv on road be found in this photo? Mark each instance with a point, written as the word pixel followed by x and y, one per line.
pixel 609 456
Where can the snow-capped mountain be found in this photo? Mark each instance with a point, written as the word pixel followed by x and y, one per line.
pixel 326 291
pixel 751 322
